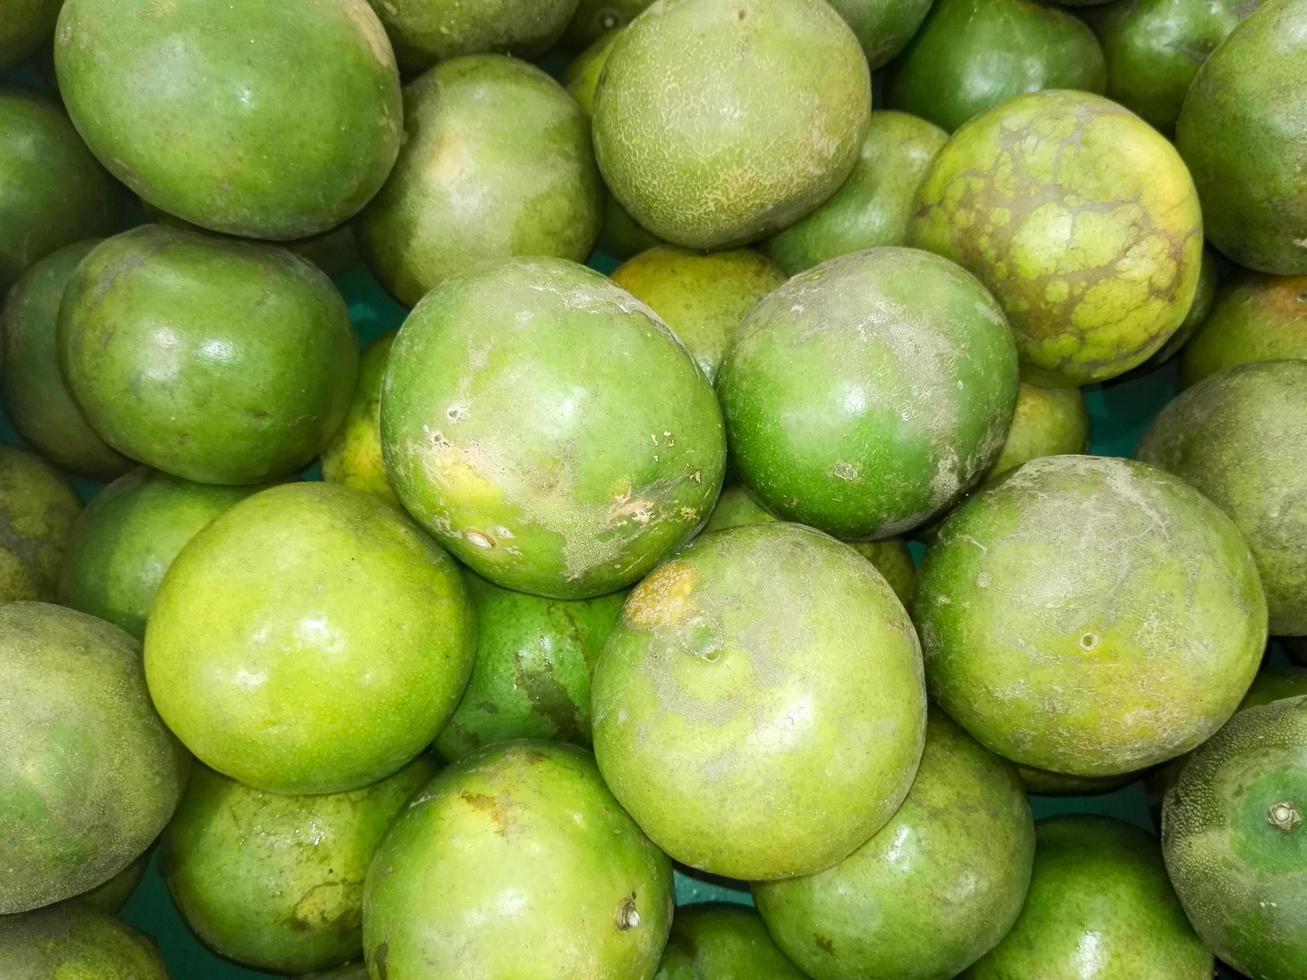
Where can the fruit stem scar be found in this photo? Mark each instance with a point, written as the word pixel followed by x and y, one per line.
pixel 627 916
pixel 479 540
pixel 1284 815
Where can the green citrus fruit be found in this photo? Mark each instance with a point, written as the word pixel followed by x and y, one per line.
pixel 353 457
pixel 426 31
pixel 726 942
pixel 37 511
pixel 1254 318
pixel 74 942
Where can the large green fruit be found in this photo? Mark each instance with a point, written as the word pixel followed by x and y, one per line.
pixel 1234 835
pixel 37 511
pixel 1243 133
pixel 214 360
pixel 353 457
pixel 1099 908
pixel 73 942
pixel 517 862
pixel 426 31
pixel 1081 220
pixel 533 664
pixel 126 539
pixel 276 882
pixel 1254 318
pixel 35 396
pixel 817 386
pixel 272 120
pixel 27 24
pixel 52 192
pixel 883 27
pixel 724 942
pixel 759 708
pixel 934 890
pixel 510 430
pixel 1047 422
pixel 719 123
pixel 1240 437
pixel 497 162
pixel 89 774
pixel 1091 616
pixel 310 640
pixel 595 19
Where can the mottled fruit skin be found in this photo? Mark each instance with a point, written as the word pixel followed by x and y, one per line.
pixel 934 890
pixel 1044 782
pixel 310 640
pixel 1082 221
pixel 1234 835
pixel 716 124
pixel 126 539
pixel 509 430
pixel 1243 133
pixel 496 163
pixel 883 27
pixel 27 24
pixel 75 942
pixel 595 19
pixel 517 862
pixel 353 457
pixel 1047 422
pixel 1089 615
pixel 776 639
pixel 205 110
pixel 726 942
pixel 37 510
pixel 52 192
pixel 89 775
pixel 1199 309
pixel 1254 318
pixel 36 398
pixel 701 297
pixel 426 31
pixel 533 664
pixel 1240 437
pixel 815 387
pixel 1099 908
pixel 214 360
pixel 276 882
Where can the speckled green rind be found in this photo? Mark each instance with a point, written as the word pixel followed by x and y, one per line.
pixel 353 457
pixel 883 27
pixel 1081 220
pixel 1199 310
pixel 596 18
pixel 719 123
pixel 934 890
pixel 875 203
pixel 73 942
pixel 532 674
pixel 759 709
pixel 126 539
pixel 725 942
pixel 510 431
pixel 27 23
pixel 817 387
pixel 214 360
pixel 1047 422
pixel 52 192
pixel 426 31
pixel 36 399
pixel 1255 318
pixel 1043 782
pixel 111 896
pixel 517 862
pixel 276 882
pixel 205 111
pixel 1235 839
pixel 1089 615
pixel 1099 908
pixel 89 774
pixel 310 640
pixel 37 510
pixel 1240 437
pixel 1243 132
pixel 496 163
pixel 701 297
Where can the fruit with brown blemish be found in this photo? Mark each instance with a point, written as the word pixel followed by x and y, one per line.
pixel 353 457
pixel 37 511
pixel 728 942
pixel 424 32
pixel 1254 318
pixel 74 940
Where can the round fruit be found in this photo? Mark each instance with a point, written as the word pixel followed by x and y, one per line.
pixel 37 510
pixel 1091 616
pixel 1099 906
pixel 353 457
pixel 596 19
pixel 719 123
pixel 1199 310
pixel 126 539
pixel 1080 218
pixel 1043 782
pixel 113 894
pixel 214 360
pixel 272 120
pixel 276 882
pixel 35 396
pixel 310 640
pixel 27 25
pixel 934 890
pixel 815 392
pixel 1240 437
pixel 1234 837
pixel 73 941
pixel 582 74
pixel 1243 133
pixel 727 942
pixel 1255 318
pixel 1047 422
pixel 497 162
pixel 883 27
pixel 533 664
pixel 517 862
pixel 759 707
pixel 510 431
pixel 426 31
pixel 89 774
pixel 701 297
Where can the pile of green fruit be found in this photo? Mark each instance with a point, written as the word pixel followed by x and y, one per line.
pixel 763 558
